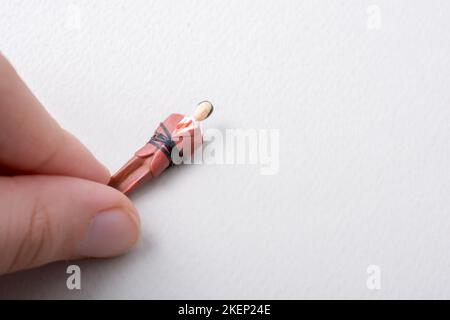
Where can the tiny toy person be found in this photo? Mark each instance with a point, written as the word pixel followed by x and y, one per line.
pixel 175 136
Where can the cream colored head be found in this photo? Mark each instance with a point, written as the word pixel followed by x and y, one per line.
pixel 203 111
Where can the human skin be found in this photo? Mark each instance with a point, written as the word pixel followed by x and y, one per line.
pixel 54 201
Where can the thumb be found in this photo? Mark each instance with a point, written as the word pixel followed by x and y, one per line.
pixel 50 218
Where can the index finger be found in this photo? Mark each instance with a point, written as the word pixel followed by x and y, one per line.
pixel 32 141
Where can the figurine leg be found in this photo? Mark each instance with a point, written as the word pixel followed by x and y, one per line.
pixel 125 171
pixel 134 179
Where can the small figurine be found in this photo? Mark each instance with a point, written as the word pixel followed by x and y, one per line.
pixel 176 134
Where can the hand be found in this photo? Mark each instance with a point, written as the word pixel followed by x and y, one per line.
pixel 54 204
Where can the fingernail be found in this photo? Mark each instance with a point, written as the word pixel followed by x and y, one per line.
pixel 110 233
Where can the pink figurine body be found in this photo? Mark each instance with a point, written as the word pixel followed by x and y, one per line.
pixel 177 134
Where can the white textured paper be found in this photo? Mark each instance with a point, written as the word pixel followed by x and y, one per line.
pixel 363 109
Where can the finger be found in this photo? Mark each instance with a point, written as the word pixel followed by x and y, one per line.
pixel 5 171
pixel 32 141
pixel 50 218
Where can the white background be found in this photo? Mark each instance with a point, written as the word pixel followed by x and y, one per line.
pixel 364 128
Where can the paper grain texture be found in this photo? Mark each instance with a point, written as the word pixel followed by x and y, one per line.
pixel 363 116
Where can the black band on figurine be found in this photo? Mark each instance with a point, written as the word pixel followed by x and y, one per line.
pixel 163 142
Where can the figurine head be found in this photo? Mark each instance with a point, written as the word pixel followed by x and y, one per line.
pixel 203 111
